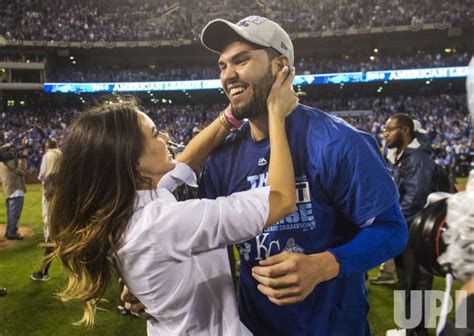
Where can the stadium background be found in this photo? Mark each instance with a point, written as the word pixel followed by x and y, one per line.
pixel 123 41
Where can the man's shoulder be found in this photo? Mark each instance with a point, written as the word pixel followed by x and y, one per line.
pixel 53 153
pixel 232 143
pixel 419 155
pixel 234 140
pixel 310 114
pixel 314 117
pixel 419 161
pixel 309 124
pixel 322 127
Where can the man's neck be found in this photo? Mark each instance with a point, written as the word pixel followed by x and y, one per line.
pixel 259 127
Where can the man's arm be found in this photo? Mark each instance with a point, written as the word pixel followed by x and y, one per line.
pixel 290 277
pixel 42 172
pixel 417 176
pixel 355 178
pixel 385 238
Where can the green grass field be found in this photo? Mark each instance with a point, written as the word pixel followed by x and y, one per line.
pixel 31 308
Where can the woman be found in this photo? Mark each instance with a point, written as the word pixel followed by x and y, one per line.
pixel 110 202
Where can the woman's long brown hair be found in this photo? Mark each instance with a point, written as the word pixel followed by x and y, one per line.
pixel 95 196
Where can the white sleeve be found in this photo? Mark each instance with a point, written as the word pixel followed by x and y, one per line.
pixel 186 228
pixel 181 173
pixel 42 171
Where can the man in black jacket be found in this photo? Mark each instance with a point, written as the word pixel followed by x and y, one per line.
pixel 412 168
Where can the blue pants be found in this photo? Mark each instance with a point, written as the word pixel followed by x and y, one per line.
pixel 14 208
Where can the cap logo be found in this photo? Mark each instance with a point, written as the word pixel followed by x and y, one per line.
pixel 283 45
pixel 251 19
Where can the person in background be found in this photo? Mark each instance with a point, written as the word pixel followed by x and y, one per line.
pixel 48 169
pixel 12 176
pixel 413 169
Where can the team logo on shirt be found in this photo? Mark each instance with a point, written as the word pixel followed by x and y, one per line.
pixel 262 162
pixel 302 220
pixel 265 247
pixel 291 246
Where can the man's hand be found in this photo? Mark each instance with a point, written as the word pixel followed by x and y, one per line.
pixel 290 277
pixel 131 303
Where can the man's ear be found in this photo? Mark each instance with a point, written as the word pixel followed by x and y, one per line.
pixel 281 62
pixel 405 130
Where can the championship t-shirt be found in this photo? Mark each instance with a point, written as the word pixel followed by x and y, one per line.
pixel 341 183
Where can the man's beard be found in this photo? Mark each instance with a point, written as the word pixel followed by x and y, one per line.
pixel 396 142
pixel 257 105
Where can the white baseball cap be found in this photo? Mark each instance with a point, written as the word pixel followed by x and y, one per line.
pixel 218 33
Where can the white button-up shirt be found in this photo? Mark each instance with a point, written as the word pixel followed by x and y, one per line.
pixel 174 259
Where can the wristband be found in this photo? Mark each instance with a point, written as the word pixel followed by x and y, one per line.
pixel 230 118
pixel 224 122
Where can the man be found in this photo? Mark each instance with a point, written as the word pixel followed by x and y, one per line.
pixel 49 166
pixel 12 176
pixel 305 275
pixel 413 169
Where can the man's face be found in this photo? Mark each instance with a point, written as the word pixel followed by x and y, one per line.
pixel 247 77
pixel 392 133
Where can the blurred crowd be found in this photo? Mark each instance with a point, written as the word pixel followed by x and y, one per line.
pixel 110 73
pixel 445 118
pixel 310 65
pixel 127 20
pixel 382 61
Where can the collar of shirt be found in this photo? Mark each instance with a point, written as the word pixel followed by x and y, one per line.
pixel 181 173
pixel 146 196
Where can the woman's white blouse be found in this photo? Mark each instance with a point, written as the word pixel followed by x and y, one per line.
pixel 174 258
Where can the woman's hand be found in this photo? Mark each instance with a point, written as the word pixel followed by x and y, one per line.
pixel 282 99
pixel 281 102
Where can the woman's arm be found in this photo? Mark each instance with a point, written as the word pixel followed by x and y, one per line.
pixel 280 102
pixel 203 144
pixel 193 226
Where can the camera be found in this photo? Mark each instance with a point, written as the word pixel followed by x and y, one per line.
pixel 442 235
pixel 425 237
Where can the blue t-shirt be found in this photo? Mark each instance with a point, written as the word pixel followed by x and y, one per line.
pixel 342 182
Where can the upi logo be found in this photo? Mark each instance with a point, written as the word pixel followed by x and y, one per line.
pixel 428 308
